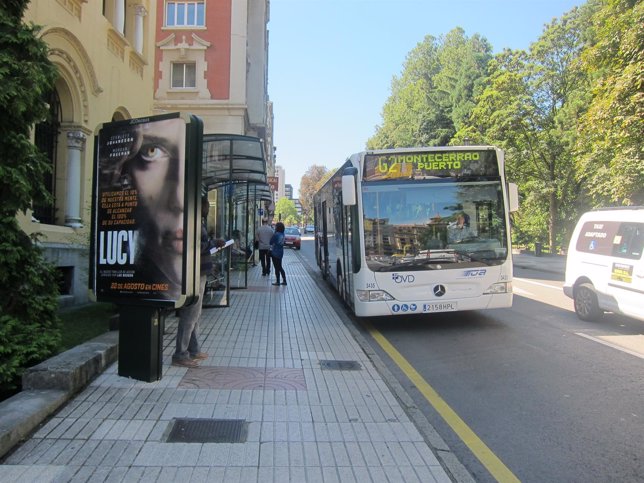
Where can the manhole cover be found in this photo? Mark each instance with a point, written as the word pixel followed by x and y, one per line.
pixel 340 365
pixel 192 430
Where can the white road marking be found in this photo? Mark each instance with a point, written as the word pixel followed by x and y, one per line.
pixel 559 300
pixel 626 339
pixel 538 283
pixel 520 291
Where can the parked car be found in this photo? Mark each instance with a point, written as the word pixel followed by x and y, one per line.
pixel 605 263
pixel 309 229
pixel 292 237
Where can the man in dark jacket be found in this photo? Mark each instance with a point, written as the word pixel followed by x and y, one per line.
pixel 188 352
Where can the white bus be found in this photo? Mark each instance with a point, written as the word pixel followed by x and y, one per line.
pixel 417 230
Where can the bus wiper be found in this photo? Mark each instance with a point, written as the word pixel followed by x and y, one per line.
pixel 424 262
pixel 488 257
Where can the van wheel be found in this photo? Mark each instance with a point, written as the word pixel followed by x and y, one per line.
pixel 586 305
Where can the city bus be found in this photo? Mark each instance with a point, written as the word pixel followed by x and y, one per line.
pixel 417 230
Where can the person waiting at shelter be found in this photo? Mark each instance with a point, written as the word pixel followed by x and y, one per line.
pixel 188 351
pixel 263 238
pixel 277 253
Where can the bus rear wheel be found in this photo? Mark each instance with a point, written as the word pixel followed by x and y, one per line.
pixel 586 304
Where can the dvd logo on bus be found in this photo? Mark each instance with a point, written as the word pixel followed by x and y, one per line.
pixel 400 278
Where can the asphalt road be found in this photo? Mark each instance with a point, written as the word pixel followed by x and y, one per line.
pixel 555 399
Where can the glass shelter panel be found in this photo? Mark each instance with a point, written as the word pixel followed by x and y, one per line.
pixel 217 285
pixel 234 166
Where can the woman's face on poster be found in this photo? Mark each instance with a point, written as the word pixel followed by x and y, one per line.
pixel 158 175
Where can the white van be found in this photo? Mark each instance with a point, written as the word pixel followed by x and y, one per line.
pixel 605 267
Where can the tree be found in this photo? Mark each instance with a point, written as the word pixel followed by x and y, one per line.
pixel 407 113
pixel 29 327
pixel 310 183
pixel 610 145
pixel 529 107
pixel 286 212
pixel 463 70
pixel 434 95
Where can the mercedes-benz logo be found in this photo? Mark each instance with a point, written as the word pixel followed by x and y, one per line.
pixel 439 290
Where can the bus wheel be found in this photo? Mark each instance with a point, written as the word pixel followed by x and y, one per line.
pixel 586 305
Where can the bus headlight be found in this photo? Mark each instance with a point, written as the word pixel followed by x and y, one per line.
pixel 373 295
pixel 501 287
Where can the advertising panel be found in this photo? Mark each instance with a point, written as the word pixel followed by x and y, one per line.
pixel 273 182
pixel 145 226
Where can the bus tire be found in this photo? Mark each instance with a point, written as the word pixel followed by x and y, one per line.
pixel 586 304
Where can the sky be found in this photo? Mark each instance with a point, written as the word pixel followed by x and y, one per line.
pixel 331 62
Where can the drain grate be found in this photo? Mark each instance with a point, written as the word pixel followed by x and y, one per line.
pixel 193 430
pixel 340 365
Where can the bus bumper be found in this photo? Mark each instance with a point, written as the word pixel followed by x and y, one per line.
pixel 394 307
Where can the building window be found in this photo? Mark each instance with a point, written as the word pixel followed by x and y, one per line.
pixel 184 14
pixel 184 75
pixel 46 140
pixel 65 277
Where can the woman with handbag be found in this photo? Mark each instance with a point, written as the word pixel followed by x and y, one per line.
pixel 277 253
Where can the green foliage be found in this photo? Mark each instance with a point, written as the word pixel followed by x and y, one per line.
pixel 290 220
pixel 285 210
pixel 610 145
pixel 29 327
pixel 434 96
pixel 80 324
pixel 26 76
pixel 529 106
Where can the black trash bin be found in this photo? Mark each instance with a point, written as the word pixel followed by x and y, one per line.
pixel 537 249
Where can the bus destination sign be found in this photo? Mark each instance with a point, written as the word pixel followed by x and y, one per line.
pixel 430 164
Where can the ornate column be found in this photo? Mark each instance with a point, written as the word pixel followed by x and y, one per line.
pixel 119 16
pixel 75 146
pixel 139 13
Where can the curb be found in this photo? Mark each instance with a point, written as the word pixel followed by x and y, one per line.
pixel 50 384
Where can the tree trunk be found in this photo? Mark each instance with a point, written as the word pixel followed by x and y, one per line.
pixel 552 222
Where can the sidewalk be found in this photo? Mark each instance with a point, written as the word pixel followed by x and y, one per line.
pixel 287 394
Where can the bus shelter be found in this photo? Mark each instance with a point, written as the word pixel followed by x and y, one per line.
pixel 247 208
pixel 234 177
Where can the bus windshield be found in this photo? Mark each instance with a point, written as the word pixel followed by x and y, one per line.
pixel 425 225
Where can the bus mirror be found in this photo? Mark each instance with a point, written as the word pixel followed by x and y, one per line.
pixel 348 190
pixel 513 197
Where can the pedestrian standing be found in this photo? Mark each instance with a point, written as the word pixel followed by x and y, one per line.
pixel 188 352
pixel 263 238
pixel 277 253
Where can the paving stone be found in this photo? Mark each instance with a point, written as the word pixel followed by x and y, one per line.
pixel 304 423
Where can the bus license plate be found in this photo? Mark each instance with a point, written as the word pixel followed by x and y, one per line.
pixel 440 307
